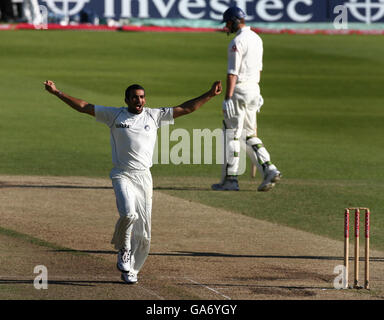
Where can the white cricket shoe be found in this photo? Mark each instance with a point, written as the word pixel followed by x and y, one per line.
pixel 270 178
pixel 129 277
pixel 277 176
pixel 124 260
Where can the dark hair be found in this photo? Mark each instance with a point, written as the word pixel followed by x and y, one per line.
pixel 131 88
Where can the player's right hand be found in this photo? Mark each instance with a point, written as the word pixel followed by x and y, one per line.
pixel 229 108
pixel 216 88
pixel 50 86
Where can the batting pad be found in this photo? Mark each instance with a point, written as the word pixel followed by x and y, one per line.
pixel 252 155
pixel 232 153
pixel 260 151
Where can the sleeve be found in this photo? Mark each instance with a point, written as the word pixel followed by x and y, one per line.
pixel 162 116
pixel 234 58
pixel 106 115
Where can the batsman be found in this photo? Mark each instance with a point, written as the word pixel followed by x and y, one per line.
pixel 242 102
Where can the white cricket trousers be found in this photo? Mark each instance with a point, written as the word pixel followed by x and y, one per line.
pixel 246 100
pixel 133 191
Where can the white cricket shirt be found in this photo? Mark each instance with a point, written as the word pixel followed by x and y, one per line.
pixel 133 136
pixel 245 56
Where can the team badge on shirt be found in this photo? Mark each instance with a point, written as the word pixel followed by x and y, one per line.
pixel 147 128
pixel 122 125
pixel 234 48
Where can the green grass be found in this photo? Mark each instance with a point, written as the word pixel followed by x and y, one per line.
pixel 316 206
pixel 322 120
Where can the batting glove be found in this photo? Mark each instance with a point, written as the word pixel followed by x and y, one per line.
pixel 229 108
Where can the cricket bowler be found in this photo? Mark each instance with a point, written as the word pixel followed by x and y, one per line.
pixel 133 133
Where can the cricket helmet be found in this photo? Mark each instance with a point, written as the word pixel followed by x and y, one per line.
pixel 233 14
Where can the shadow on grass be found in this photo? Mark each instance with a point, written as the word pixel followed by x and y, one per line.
pixel 225 255
pixel 86 251
pixel 160 188
pixel 183 188
pixel 79 283
pixel 42 186
pixel 222 255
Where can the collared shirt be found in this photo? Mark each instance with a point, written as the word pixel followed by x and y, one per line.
pixel 245 56
pixel 133 136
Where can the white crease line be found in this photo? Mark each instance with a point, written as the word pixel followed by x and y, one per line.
pixel 215 291
pixel 152 292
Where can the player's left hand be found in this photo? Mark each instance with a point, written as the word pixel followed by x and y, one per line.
pixel 229 108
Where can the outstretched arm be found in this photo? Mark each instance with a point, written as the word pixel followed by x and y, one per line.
pixel 77 104
pixel 194 104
